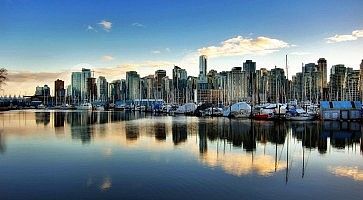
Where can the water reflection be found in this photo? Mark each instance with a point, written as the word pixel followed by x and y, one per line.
pixel 155 152
pixel 264 144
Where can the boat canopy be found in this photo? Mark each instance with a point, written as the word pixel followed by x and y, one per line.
pixel 240 106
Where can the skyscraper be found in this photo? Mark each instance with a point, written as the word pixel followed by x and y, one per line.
pixel 352 85
pixel 237 85
pixel 133 85
pixel 159 75
pixel 85 74
pixel 203 65
pixel 322 67
pixel 91 89
pixel 76 85
pixel 59 91
pixel 361 81
pixel 250 68
pixel 102 89
pixel 203 69
pixel 180 77
pixel 337 82
pixel 277 85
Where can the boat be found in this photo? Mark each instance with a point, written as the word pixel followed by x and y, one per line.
pixel 119 107
pixel 84 106
pixel 187 108
pixel 213 112
pixel 99 107
pixel 67 107
pixel 41 106
pixel 263 113
pixel 238 110
pixel 298 115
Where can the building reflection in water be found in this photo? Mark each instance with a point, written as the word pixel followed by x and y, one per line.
pixel 2 142
pixel 160 131
pixel 179 132
pixel 258 146
pixel 42 118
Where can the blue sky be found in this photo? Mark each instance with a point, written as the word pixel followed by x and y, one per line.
pixel 44 39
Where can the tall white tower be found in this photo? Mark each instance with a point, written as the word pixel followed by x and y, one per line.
pixel 203 68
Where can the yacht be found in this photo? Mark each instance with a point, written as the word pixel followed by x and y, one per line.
pixel 85 106
pixel 100 108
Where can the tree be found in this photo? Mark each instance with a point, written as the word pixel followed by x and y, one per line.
pixel 3 76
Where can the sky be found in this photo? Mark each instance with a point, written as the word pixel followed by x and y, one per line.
pixel 42 40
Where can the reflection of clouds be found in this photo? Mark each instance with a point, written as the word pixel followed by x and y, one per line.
pixel 242 164
pixel 106 184
pixel 107 152
pixel 349 172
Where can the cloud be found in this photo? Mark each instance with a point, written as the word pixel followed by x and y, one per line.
pixel 239 45
pixel 91 28
pixel 106 25
pixel 136 24
pixel 156 52
pixel 26 76
pixel 343 38
pixel 297 53
pixel 167 49
pixel 107 58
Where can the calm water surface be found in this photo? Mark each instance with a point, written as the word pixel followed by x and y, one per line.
pixel 119 155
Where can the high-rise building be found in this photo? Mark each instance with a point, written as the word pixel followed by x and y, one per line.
pixel 159 75
pixel 237 85
pixel 92 89
pixel 123 89
pixel 133 85
pixel 261 85
pixel 352 85
pixel 250 68
pixel 337 82
pixel 115 92
pixel 203 87
pixel 322 67
pixel 202 67
pixel 298 87
pixel 277 85
pixel 102 89
pixel 59 91
pixel 167 87
pixel 192 85
pixel 76 85
pixel 361 81
pixel 38 91
pixel 85 74
pixel 180 77
pixel 148 89
pixel 69 91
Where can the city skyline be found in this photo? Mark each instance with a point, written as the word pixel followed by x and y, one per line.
pixel 114 37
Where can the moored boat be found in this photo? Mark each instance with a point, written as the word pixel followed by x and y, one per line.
pixel 84 106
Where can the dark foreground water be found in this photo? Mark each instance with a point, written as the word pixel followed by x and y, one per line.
pixel 118 155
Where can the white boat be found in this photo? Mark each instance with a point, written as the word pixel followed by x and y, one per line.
pixel 187 108
pixel 41 106
pixel 84 106
pixel 238 110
